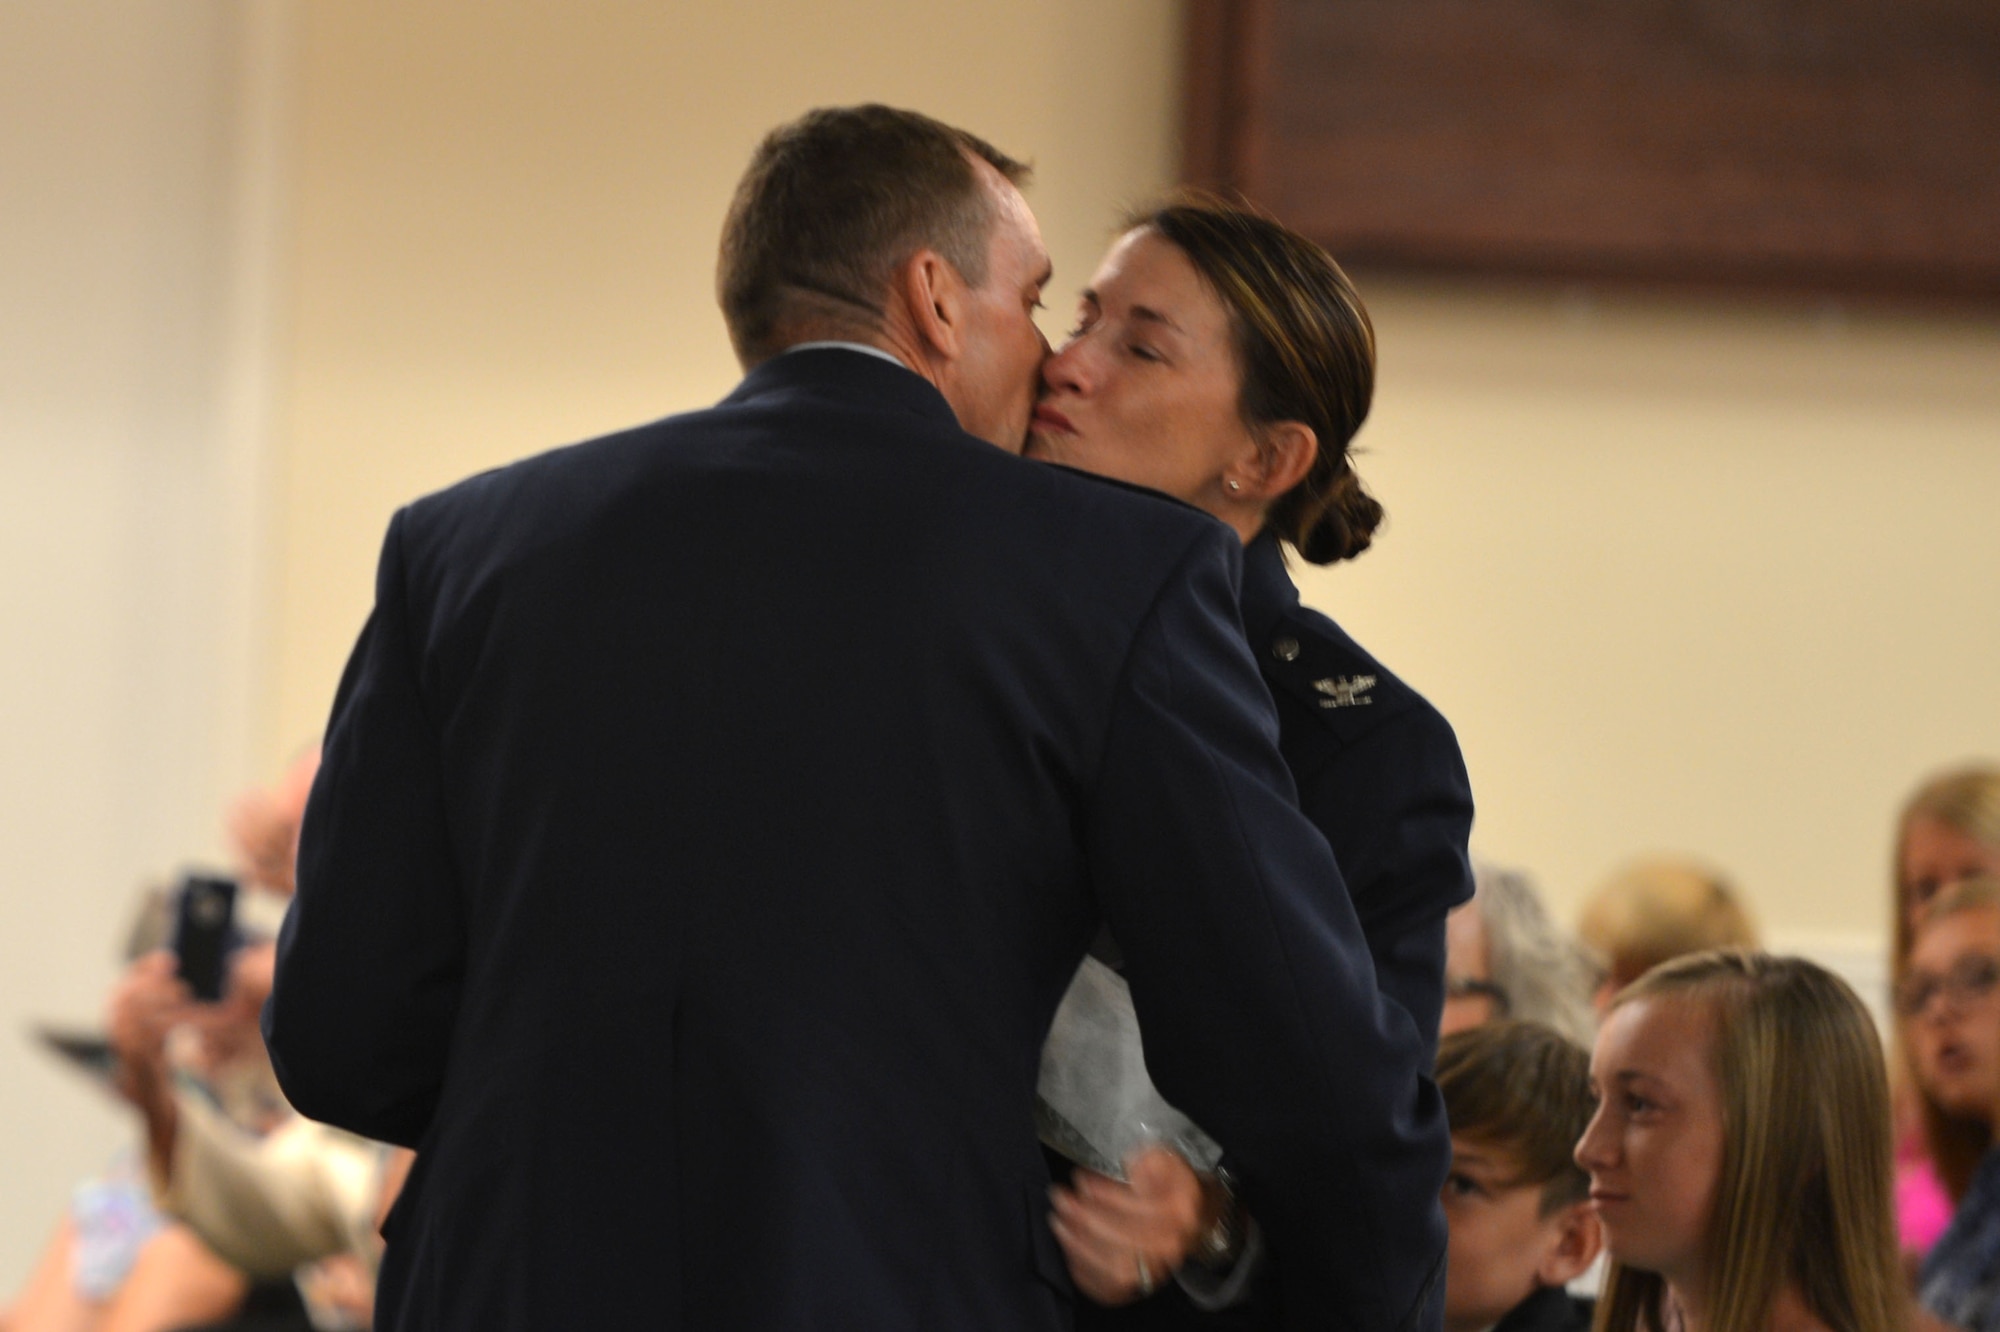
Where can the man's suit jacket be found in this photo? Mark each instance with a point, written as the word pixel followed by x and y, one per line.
pixel 712 816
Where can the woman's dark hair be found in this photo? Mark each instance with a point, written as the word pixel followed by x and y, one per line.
pixel 1307 352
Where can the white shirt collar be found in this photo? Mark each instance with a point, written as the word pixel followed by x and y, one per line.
pixel 845 346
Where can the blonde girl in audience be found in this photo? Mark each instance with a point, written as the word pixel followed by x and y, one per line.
pixel 1948 830
pixel 1739 1154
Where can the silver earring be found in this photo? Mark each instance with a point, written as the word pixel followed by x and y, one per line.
pixel 1233 484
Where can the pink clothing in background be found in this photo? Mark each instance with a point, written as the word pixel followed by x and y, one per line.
pixel 1923 1208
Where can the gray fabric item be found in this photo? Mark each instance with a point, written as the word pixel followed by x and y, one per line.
pixel 1095 1103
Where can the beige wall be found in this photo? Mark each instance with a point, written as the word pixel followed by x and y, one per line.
pixel 132 142
pixel 1686 573
pixel 1688 576
pixel 508 217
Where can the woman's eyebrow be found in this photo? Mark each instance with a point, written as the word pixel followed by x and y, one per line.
pixel 1153 316
pixel 1625 1077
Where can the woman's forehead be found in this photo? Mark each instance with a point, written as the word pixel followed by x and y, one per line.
pixel 1657 1033
pixel 1145 269
pixel 1943 936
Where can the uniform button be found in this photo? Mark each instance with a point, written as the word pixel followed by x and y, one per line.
pixel 1285 648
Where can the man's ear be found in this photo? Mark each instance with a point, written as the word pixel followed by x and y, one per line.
pixel 1286 451
pixel 933 295
pixel 1574 1240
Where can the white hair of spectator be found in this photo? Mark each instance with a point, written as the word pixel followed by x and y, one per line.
pixel 1546 973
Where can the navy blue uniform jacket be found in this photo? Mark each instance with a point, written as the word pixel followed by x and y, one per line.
pixel 711 818
pixel 1379 772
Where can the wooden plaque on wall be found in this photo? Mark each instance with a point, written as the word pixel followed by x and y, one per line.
pixel 1845 145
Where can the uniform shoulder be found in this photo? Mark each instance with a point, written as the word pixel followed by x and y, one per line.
pixel 518 499
pixel 1315 666
pixel 1144 506
pixel 548 467
pixel 1111 532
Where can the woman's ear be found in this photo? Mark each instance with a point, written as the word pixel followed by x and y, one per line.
pixel 1575 1237
pixel 933 298
pixel 1286 451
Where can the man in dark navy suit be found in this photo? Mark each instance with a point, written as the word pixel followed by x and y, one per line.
pixel 712 816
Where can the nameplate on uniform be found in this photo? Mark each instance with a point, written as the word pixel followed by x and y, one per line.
pixel 1345 691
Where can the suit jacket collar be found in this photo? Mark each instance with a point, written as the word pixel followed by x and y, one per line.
pixel 847 376
pixel 1268 592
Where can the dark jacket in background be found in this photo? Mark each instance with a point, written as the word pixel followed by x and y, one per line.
pixel 1550 1309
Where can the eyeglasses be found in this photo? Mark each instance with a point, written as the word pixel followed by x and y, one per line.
pixel 1971 979
pixel 1467 987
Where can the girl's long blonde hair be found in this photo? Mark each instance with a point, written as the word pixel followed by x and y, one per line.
pixel 1804 1194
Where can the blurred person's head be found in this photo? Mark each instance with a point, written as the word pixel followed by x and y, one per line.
pixel 1660 908
pixel 1948 1000
pixel 264 824
pixel 881 226
pixel 1740 1149
pixel 1505 956
pixel 1949 829
pixel 1517 1206
pixel 1228 362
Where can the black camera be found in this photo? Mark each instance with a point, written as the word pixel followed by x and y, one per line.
pixel 205 933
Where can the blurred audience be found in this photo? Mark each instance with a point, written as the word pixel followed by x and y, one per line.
pixel 1505 956
pixel 1949 829
pixel 1739 1153
pixel 1518 1207
pixel 1659 908
pixel 1736 1155
pixel 230 1188
pixel 1948 1001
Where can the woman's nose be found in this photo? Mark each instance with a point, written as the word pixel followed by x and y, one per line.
pixel 1593 1150
pixel 1067 369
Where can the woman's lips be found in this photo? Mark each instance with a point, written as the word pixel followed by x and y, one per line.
pixel 1048 418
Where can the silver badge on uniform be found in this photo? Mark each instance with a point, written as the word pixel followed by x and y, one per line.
pixel 1345 691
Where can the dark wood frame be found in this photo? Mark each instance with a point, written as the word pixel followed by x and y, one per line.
pixel 1842 146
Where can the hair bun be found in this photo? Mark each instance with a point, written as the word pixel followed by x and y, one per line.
pixel 1345 526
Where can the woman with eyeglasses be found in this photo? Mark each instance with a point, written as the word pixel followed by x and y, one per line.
pixel 1948 830
pixel 1948 1001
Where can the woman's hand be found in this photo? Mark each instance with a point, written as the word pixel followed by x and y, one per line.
pixel 1122 1241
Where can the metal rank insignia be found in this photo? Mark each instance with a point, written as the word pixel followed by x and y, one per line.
pixel 1345 691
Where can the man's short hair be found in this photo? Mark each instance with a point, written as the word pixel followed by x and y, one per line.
pixel 1525 1089
pixel 831 204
